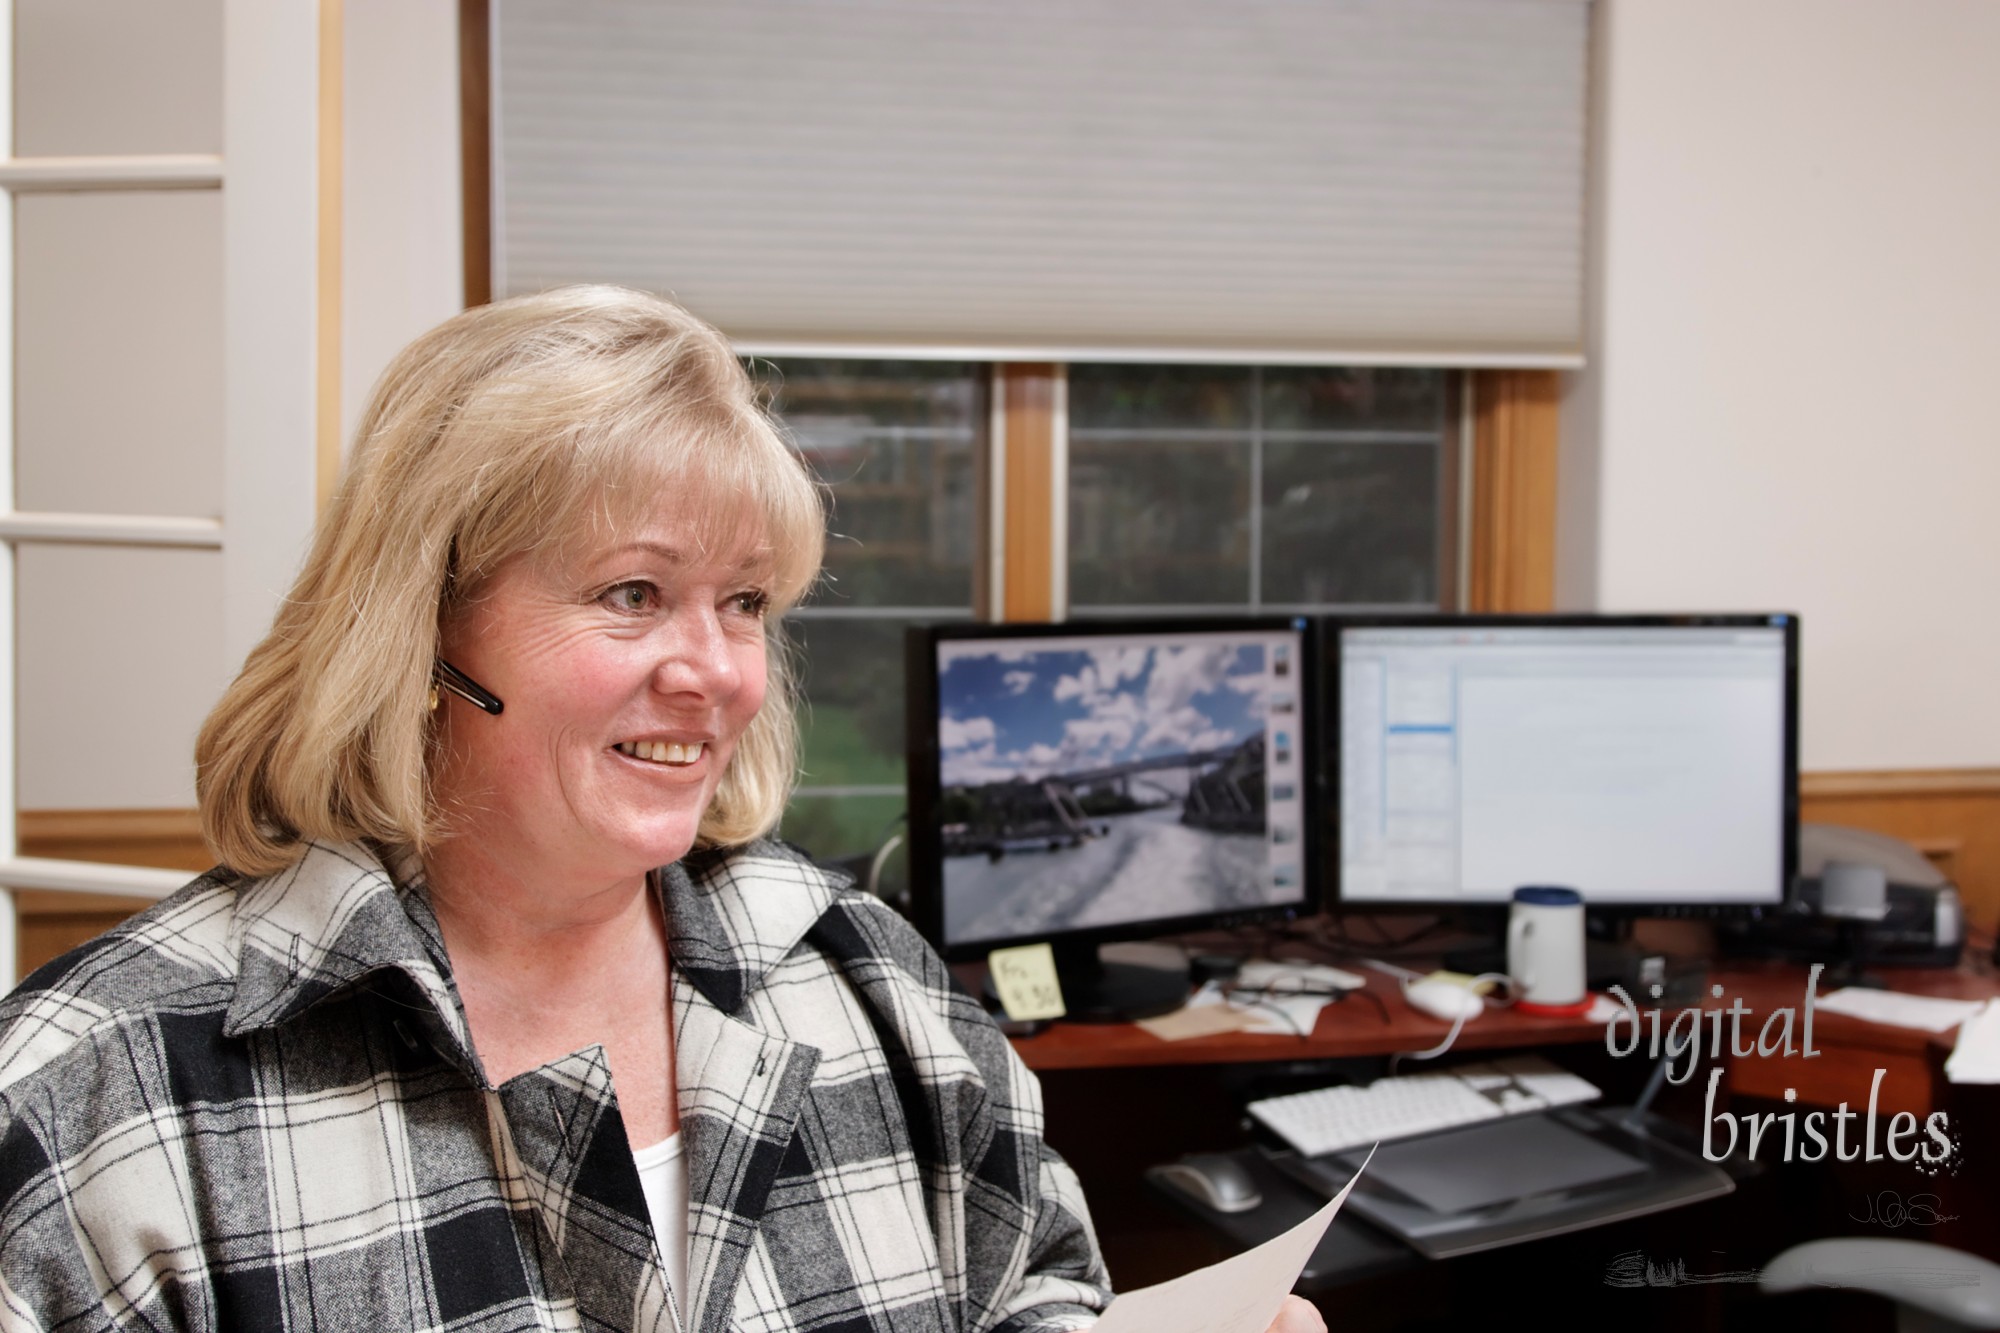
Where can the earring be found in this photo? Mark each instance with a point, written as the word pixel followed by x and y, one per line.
pixel 434 698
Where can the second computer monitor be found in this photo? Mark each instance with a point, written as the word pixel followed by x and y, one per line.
pixel 1109 780
pixel 1650 762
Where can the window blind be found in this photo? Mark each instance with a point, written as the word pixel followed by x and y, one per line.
pixel 1361 181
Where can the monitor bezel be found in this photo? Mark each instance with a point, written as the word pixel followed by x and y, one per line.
pixel 1333 660
pixel 925 786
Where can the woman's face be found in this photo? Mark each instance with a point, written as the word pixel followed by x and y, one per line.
pixel 627 680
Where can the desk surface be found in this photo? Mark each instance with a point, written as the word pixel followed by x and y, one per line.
pixel 1357 1026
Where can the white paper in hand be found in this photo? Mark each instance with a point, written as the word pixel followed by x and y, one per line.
pixel 1239 1295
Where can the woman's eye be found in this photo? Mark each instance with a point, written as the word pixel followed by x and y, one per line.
pixel 630 596
pixel 752 603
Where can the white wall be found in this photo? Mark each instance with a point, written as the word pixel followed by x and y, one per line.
pixel 1796 327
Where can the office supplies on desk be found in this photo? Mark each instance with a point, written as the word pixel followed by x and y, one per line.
pixel 1215 1180
pixel 1204 1015
pixel 1976 1056
pixel 1929 1013
pixel 1332 1119
pixel 1444 1000
pixel 1276 977
pixel 1545 948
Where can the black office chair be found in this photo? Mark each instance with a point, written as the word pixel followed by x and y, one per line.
pixel 1936 1289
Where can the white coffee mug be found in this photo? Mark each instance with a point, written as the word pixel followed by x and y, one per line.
pixel 1545 947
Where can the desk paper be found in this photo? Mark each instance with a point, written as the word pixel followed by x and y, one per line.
pixel 1196 1020
pixel 1025 980
pixel 1898 1010
pixel 1976 1058
pixel 1211 1010
pixel 1239 1295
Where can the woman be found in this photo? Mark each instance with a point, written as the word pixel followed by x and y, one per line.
pixel 502 1011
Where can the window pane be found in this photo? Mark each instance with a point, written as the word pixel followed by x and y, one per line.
pixel 835 828
pixel 1252 486
pixel 1350 484
pixel 1353 398
pixel 105 632
pixel 894 441
pixel 1350 523
pixel 118 352
pixel 1156 521
pixel 117 76
pixel 851 670
pixel 1149 397
pixel 896 444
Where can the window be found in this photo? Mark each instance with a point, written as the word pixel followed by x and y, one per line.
pixel 897 444
pixel 1220 488
pixel 1198 488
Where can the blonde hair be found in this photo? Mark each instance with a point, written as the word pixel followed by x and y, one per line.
pixel 535 426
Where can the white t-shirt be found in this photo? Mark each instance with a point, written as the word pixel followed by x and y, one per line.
pixel 663 1175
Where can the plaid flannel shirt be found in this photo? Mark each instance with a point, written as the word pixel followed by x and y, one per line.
pixel 256 1106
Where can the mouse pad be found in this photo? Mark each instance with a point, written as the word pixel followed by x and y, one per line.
pixel 1492 1162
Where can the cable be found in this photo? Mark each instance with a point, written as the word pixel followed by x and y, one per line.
pixel 875 866
pixel 1433 1052
pixel 1457 1024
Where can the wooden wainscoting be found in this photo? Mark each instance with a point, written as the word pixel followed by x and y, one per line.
pixel 1951 815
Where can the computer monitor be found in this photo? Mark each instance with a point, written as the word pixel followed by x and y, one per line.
pixel 1650 762
pixel 1092 781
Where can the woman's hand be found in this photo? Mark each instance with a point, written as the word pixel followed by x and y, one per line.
pixel 1297 1315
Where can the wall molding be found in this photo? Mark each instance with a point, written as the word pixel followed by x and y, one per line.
pixel 170 839
pixel 1911 783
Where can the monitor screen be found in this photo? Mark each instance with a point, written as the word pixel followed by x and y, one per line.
pixel 1108 781
pixel 1648 762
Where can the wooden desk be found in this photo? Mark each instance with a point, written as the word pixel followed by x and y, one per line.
pixel 1354 1027
pixel 1119 1099
pixel 1852 1049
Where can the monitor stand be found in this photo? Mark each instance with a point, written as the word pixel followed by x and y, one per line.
pixel 1096 991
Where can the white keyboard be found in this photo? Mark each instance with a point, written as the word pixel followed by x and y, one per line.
pixel 1331 1119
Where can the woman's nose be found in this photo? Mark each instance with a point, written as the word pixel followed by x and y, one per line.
pixel 698 656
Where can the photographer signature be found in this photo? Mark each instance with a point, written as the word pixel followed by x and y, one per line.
pixel 1887 1209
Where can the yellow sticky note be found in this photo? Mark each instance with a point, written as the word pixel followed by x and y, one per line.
pixel 1025 978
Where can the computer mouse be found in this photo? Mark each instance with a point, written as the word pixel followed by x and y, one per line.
pixel 1212 1178
pixel 1444 1000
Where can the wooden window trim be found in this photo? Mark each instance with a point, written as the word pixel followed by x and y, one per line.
pixel 1030 397
pixel 1513 557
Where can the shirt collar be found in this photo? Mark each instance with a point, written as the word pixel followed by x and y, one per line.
pixel 323 924
pixel 733 914
pixel 339 915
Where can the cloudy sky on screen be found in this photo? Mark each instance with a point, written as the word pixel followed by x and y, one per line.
pixel 1022 713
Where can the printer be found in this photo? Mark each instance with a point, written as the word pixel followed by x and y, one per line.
pixel 1925 925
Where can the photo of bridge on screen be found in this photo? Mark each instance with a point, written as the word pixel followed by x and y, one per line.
pixel 1095 784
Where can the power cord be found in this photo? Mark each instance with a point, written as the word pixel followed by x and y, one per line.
pixel 1457 1025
